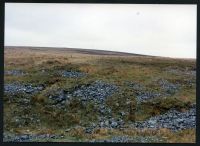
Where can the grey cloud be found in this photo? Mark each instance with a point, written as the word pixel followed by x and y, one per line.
pixel 163 30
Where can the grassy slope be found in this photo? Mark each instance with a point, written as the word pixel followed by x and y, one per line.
pixel 113 69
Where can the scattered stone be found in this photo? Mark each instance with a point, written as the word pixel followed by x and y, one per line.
pixel 142 96
pixel 72 74
pixel 173 120
pixel 129 139
pixel 59 97
pixel 116 139
pixel 14 72
pixel 21 138
pixel 98 91
pixel 28 137
pixel 189 82
pixel 191 72
pixel 109 122
pixel 114 124
pixel 186 71
pixel 136 86
pixel 14 88
pixel 168 87
pixel 88 130
pixel 174 71
pixel 122 113
pixel 67 130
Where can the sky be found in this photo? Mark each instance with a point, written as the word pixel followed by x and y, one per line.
pixel 159 30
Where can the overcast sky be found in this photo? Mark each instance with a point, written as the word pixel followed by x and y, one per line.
pixel 161 30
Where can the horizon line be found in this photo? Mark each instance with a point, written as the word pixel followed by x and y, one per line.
pixel 100 50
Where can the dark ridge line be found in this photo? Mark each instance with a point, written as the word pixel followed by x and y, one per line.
pixel 80 50
pixel 93 52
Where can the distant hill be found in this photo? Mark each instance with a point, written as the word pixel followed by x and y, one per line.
pixel 79 50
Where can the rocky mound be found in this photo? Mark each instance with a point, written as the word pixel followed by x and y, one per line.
pixel 173 120
pixel 96 92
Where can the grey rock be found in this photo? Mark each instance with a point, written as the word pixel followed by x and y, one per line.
pixel 67 130
pixel 122 113
pixel 114 124
pixel 88 130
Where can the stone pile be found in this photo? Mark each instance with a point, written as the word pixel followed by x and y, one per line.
pixel 173 120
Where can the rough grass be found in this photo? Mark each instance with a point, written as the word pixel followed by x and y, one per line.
pixel 160 106
pixel 113 69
